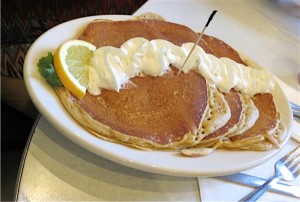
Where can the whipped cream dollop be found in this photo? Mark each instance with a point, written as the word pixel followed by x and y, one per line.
pixel 113 67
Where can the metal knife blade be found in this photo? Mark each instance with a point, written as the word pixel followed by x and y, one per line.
pixel 253 181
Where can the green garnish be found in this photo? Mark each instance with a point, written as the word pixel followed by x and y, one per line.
pixel 46 69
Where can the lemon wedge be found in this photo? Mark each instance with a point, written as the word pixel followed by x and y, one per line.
pixel 71 63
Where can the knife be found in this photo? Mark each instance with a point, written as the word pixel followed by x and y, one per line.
pixel 253 181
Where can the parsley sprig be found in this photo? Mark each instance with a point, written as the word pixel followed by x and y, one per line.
pixel 46 69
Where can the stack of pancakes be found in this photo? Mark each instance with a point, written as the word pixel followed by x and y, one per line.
pixel 173 112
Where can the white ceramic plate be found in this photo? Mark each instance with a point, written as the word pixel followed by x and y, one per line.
pixel 220 162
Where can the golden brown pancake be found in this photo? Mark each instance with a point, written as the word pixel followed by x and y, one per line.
pixel 265 125
pixel 160 112
pixel 235 104
pixel 217 115
pixel 221 49
pixel 115 33
pixel 248 118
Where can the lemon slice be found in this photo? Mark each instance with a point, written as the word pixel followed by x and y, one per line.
pixel 71 63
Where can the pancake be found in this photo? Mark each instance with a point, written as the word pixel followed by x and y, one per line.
pixel 171 122
pixel 261 133
pixel 115 33
pixel 163 111
pixel 236 108
pixel 215 139
pixel 248 118
pixel 217 115
pixel 170 111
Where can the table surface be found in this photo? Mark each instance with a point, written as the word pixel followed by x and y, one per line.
pixel 55 168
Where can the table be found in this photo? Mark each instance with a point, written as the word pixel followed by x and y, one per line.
pixel 56 169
